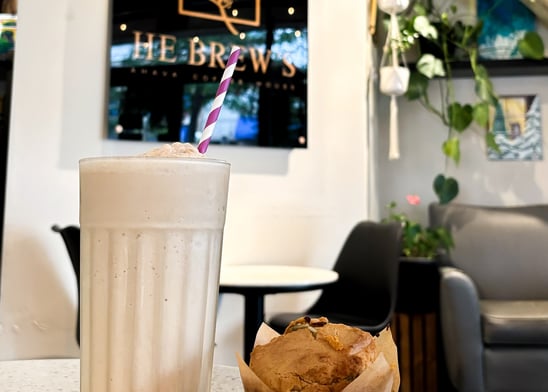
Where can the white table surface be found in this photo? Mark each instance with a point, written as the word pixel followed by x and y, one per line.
pixel 63 375
pixel 256 275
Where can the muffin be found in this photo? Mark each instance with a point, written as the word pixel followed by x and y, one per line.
pixel 313 355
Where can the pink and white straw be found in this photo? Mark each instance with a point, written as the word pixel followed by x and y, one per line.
pixel 218 101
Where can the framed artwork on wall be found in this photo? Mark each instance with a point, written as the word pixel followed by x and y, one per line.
pixel 504 24
pixel 517 127
pixel 167 58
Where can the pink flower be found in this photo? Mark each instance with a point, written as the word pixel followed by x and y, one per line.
pixel 414 200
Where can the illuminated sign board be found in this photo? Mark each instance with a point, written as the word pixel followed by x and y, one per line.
pixel 166 60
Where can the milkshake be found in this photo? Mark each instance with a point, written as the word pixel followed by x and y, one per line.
pixel 151 236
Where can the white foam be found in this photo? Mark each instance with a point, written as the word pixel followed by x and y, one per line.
pixel 174 150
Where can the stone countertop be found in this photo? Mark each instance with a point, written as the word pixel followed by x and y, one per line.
pixel 63 375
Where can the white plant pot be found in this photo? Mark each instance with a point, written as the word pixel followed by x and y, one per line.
pixel 394 80
pixel 393 6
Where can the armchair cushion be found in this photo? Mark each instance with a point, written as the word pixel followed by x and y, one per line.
pixel 514 322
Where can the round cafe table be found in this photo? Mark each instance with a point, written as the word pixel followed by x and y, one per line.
pixel 63 375
pixel 254 281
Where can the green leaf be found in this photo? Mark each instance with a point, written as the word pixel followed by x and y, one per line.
pixel 484 86
pixel 445 188
pixel 419 9
pixel 481 72
pixel 471 34
pixel 430 66
pixel 422 25
pixel 445 238
pixel 460 117
pixel 417 87
pixel 451 148
pixel 481 114
pixel 444 18
pixel 458 33
pixel 491 143
pixel 531 46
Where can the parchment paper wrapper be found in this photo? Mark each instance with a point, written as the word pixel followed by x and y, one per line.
pixel 381 376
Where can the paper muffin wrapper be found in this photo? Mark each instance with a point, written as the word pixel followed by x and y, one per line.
pixel 381 376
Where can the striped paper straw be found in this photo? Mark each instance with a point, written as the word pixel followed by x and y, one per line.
pixel 218 101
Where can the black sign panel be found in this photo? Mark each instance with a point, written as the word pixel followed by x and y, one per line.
pixel 168 57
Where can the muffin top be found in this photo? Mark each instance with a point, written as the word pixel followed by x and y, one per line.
pixel 313 355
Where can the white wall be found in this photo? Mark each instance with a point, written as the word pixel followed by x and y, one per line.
pixel 285 206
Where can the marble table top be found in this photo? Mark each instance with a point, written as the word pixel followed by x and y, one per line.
pixel 63 375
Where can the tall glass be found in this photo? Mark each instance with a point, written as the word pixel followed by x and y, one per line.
pixel 151 236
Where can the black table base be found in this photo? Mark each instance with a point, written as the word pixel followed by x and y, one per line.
pixel 254 306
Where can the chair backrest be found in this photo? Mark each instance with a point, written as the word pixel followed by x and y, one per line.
pixel 71 238
pixel 365 293
pixel 503 249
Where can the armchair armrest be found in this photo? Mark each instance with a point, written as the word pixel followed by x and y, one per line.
pixel 461 329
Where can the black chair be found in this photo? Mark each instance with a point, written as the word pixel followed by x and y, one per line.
pixel 71 237
pixel 365 294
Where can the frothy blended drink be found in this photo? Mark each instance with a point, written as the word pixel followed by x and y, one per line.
pixel 151 236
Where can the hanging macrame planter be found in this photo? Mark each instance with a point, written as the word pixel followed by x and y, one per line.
pixel 394 74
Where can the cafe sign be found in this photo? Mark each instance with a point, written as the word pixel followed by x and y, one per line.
pixel 223 15
pixel 166 58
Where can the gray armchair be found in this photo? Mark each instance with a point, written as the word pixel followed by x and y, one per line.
pixel 494 297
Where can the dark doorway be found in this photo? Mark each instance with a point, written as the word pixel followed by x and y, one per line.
pixel 7 41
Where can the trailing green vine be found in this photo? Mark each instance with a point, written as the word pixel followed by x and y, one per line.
pixel 444 40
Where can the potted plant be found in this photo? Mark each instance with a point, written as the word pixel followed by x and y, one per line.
pixel 418 241
pixel 444 40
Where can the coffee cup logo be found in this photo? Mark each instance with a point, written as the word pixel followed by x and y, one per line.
pixel 222 7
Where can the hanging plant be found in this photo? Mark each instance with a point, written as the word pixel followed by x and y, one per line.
pixel 394 74
pixel 444 40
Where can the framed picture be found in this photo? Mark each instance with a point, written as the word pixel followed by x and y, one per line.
pixel 504 24
pixel 517 128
